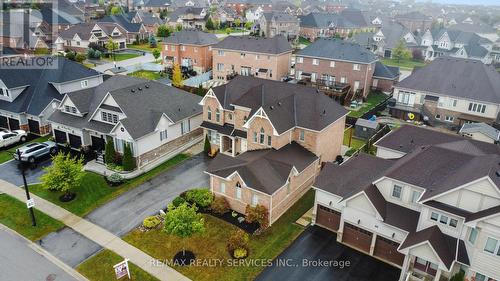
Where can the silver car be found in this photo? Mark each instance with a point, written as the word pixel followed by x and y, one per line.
pixel 31 152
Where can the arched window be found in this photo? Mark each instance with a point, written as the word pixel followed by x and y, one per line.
pixel 217 115
pixel 262 135
pixel 238 190
pixel 209 113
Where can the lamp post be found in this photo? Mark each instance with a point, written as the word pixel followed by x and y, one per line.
pixel 29 202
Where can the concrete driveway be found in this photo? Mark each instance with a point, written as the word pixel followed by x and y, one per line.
pixel 10 172
pixel 129 209
pixel 318 244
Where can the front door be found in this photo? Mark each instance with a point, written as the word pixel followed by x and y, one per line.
pixel 243 145
pixel 34 126
pixel 97 143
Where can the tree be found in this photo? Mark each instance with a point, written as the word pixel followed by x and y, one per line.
pixel 152 41
pixel 163 31
pixel 248 25
pixel 207 146
pixel 209 24
pixel 237 22
pixel 417 54
pixel 137 39
pixel 156 53
pixel 257 214
pixel 228 30
pixel 128 160
pixel 109 151
pixel 177 76
pixel 42 51
pixel 65 173
pixel 71 55
pixel 80 57
pixel 116 10
pixel 178 27
pixel 400 52
pixel 111 46
pixel 183 221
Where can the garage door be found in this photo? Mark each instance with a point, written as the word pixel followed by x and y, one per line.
pixel 328 218
pixel 34 126
pixel 3 122
pixel 98 143
pixel 357 237
pixel 60 137
pixel 75 141
pixel 388 250
pixel 13 124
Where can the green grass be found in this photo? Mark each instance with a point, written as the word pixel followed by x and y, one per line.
pixel 100 268
pixel 151 75
pixel 372 100
pixel 355 142
pixel 409 64
pixel 142 47
pixel 6 155
pixel 122 56
pixel 15 215
pixel 304 41
pixel 233 30
pixel 212 244
pixel 94 191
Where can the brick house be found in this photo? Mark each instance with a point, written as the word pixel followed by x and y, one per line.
pixel 156 120
pixel 272 138
pixel 449 92
pixel 330 60
pixel 279 23
pixel 267 58
pixel 29 96
pixel 189 48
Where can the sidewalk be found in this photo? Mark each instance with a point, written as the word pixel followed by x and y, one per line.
pixel 97 234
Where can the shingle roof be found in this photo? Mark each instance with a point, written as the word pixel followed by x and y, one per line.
pixel 463 78
pixel 275 45
pixel 84 30
pixel 123 21
pixel 385 71
pixel 325 20
pixel 192 37
pixel 184 11
pixel 481 128
pixel 337 49
pixel 279 16
pixel 265 170
pixel 286 105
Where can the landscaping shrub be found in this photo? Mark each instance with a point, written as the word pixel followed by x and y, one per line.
pixel 238 240
pixel 71 55
pixel 257 214
pixel 201 197
pixel 240 253
pixel 80 57
pixel 128 159
pixel 109 151
pixel 207 146
pixel 220 205
pixel 350 152
pixel 117 159
pixel 114 179
pixel 459 276
pixel 151 222
pixel 178 201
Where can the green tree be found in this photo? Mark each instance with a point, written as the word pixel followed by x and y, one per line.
pixel 248 25
pixel 152 41
pixel 178 27
pixel 80 57
pixel 209 24
pixel 156 53
pixel 64 174
pixel 237 23
pixel 177 80
pixel 128 159
pixel 163 31
pixel 228 30
pixel 207 146
pixel 42 51
pixel 111 46
pixel 183 221
pixel 400 52
pixel 116 11
pixel 109 151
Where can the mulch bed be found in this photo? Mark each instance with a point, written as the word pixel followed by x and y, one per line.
pixel 184 258
pixel 250 228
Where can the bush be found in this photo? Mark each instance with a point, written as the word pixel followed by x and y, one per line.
pixel 128 159
pixel 220 205
pixel 151 222
pixel 350 152
pixel 178 201
pixel 240 253
pixel 459 276
pixel 257 214
pixel 109 151
pixel 207 146
pixel 237 240
pixel 201 197
pixel 80 57
pixel 71 55
pixel 115 178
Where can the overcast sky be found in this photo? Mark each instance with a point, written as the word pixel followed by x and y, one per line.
pixel 470 2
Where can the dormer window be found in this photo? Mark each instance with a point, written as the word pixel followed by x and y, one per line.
pixel 84 83
pixel 70 109
pixel 109 117
pixel 4 92
pixel 217 115
pixel 209 113
pixel 262 136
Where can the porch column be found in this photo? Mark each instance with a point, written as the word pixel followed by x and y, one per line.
pixel 233 147
pixel 438 275
pixel 404 268
pixel 341 229
pixel 372 245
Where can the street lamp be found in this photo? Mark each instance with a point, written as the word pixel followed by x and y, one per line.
pixel 29 201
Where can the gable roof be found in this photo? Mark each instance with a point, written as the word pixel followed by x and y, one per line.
pixel 279 16
pixel 84 30
pixel 123 21
pixel 462 78
pixel 337 49
pixel 325 20
pixel 385 71
pixel 192 37
pixel 483 128
pixel 286 105
pixel 275 45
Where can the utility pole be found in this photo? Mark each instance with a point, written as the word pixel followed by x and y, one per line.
pixel 29 201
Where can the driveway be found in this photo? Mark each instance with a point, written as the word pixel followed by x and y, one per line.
pixel 318 244
pixel 10 172
pixel 148 57
pixel 128 210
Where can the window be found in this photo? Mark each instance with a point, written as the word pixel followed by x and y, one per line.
pixel 222 187
pixel 209 113
pixel 257 57
pixel 473 235
pixel 183 48
pixel 172 47
pixel 332 64
pixel 238 190
pixel 356 67
pixel 480 277
pixel 84 83
pixel 301 135
pixel 262 135
pixel 407 98
pixel 254 136
pixel 300 59
pixel 438 116
pixel 166 47
pixel 242 55
pixel 67 108
pixel 414 196
pixel 452 102
pixel 220 66
pixel 448 118
pixel 195 50
pixel 434 216
pixel 230 116
pixel 217 115
pixel 491 246
pixel 255 200
pixel 453 222
pixel 396 191
pixel 109 117
pixel 477 107
pixel 444 219
pixel 163 135
pixel 315 62
pixel 269 140
pixel 343 79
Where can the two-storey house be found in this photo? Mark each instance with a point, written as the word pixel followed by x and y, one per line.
pixel 267 58
pixel 428 203
pixel 279 23
pixel 415 21
pixel 78 37
pixel 28 96
pixel 272 138
pixel 449 92
pixel 188 17
pixel 189 48
pixel 156 120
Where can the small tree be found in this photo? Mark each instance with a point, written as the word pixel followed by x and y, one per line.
pixel 111 46
pixel 116 10
pixel 163 31
pixel 228 30
pixel 64 174
pixel 80 57
pixel 207 146
pixel 128 160
pixel 70 55
pixel 42 51
pixel 417 54
pixel 109 152
pixel 183 221
pixel 237 23
pixel 177 76
pixel 257 214
pixel 400 52
pixel 209 24
pixel 156 53
pixel 137 39
pixel 248 25
pixel 202 197
pixel 178 27
pixel 152 41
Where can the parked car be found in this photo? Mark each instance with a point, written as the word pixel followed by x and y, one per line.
pixel 33 151
pixel 9 138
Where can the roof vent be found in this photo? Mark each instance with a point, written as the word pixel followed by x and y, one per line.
pixel 271 107
pixel 279 103
pixel 147 86
pixel 497 173
pixel 140 89
pixel 179 109
pixel 132 90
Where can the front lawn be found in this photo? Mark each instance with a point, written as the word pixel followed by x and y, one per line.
pixel 373 99
pixel 212 245
pixel 409 64
pixel 94 191
pixel 6 155
pixel 15 215
pixel 151 75
pixel 100 268
pixel 122 56
pixel 142 47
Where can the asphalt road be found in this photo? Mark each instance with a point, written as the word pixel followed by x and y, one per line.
pixel 318 244
pixel 20 262
pixel 10 172
pixel 129 209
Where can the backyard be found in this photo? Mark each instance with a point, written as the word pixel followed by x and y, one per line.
pixel 403 63
pixel 212 244
pixel 372 100
pixel 145 74
pixel 355 142
pixel 7 154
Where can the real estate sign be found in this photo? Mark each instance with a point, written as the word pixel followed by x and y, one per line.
pixel 121 269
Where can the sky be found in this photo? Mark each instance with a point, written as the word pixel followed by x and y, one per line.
pixel 469 2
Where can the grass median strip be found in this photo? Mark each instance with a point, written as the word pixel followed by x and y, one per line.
pixel 15 215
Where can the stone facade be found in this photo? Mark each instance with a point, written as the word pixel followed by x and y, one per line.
pixel 200 56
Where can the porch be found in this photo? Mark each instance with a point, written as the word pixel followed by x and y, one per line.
pixel 419 269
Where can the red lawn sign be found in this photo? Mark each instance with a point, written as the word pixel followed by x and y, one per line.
pixel 121 269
